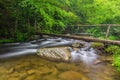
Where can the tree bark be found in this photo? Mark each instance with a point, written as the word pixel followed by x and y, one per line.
pixel 28 22
pixel 16 28
pixel 89 39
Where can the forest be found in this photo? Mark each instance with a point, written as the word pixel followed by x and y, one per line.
pixel 21 19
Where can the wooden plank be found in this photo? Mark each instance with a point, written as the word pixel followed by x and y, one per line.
pixel 79 25
pixel 107 32
pixel 89 39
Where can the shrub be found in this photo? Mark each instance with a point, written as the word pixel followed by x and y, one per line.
pixel 116 55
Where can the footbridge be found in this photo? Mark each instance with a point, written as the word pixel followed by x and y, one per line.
pixel 104 33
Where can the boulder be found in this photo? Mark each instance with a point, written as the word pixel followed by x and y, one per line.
pixel 58 54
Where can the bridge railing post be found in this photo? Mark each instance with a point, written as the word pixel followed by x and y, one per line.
pixel 107 32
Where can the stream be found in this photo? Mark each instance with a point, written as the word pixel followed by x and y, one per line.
pixel 19 61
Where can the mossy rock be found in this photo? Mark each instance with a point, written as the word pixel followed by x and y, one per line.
pixel 77 44
pixel 97 45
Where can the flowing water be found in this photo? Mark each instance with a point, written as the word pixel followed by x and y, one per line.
pixel 18 61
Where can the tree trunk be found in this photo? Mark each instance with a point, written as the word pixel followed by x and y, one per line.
pixel 16 26
pixel 35 26
pixel 28 22
pixel 83 38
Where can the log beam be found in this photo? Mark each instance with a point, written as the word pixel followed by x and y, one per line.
pixel 89 39
pixel 102 25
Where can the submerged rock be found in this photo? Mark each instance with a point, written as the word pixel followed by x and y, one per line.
pixel 31 77
pixel 64 67
pixel 13 79
pixel 32 71
pixel 97 62
pixel 78 44
pixel 11 70
pixel 60 53
pixel 72 75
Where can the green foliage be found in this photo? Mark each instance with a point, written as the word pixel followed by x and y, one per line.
pixel 116 61
pixel 112 38
pixel 103 11
pixel 116 55
pixel 49 14
pixel 20 36
pixel 97 31
pixel 26 16
pixel 23 17
pixel 6 41
pixel 95 11
pixel 25 34
pixel 100 32
pixel 115 33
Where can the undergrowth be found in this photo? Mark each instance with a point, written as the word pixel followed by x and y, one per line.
pixel 110 49
pixel 115 50
pixel 6 41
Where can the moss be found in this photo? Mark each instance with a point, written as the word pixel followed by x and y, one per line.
pixel 97 45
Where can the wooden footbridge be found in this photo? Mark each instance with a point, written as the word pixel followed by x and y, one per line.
pixel 87 38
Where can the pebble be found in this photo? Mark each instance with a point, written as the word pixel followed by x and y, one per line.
pixel 97 62
pixel 31 71
pixel 31 77
pixel 15 74
pixel 11 70
pixel 23 75
pixel 13 79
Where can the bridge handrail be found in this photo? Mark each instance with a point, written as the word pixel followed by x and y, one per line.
pixel 80 25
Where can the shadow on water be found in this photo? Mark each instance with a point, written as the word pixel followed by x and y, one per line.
pixel 18 61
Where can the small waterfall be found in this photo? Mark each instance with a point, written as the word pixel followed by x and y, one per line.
pixel 87 55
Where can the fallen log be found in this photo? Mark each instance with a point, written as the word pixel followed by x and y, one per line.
pixel 89 39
